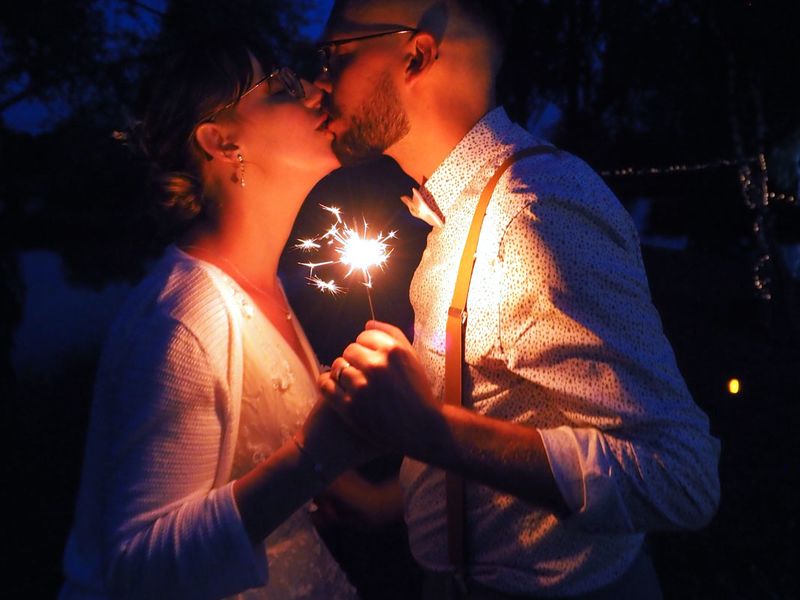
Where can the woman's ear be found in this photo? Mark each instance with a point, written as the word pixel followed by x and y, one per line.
pixel 214 143
pixel 425 52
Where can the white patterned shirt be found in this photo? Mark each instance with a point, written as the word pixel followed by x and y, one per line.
pixel 562 336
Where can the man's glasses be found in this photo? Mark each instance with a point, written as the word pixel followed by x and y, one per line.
pixel 291 83
pixel 325 49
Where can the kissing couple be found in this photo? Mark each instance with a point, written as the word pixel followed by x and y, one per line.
pixel 545 424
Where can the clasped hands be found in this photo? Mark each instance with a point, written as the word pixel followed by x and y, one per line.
pixel 379 387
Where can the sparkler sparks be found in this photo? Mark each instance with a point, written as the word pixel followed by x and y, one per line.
pixel 312 265
pixel 325 286
pixel 334 211
pixel 307 245
pixel 354 249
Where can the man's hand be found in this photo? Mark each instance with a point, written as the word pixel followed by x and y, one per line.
pixel 380 387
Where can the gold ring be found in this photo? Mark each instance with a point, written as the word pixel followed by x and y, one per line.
pixel 338 372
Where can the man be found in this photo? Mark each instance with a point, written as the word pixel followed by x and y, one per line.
pixel 577 434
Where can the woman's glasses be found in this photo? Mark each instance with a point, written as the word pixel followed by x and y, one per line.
pixel 288 78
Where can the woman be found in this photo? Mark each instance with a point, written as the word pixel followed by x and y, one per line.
pixel 196 448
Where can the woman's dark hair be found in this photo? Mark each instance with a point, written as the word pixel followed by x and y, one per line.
pixel 186 85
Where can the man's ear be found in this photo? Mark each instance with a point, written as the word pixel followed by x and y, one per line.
pixel 215 143
pixel 425 52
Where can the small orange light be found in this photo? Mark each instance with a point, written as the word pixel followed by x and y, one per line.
pixel 733 386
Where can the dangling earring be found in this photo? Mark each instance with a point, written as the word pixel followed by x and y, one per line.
pixel 240 158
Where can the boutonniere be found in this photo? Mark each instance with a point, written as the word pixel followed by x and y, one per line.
pixel 423 209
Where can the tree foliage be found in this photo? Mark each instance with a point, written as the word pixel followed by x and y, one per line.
pixel 639 82
pixel 71 187
pixel 680 76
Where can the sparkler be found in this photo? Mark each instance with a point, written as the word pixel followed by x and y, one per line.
pixel 325 286
pixel 353 249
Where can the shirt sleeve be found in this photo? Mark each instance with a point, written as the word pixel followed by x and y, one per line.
pixel 167 533
pixel 629 449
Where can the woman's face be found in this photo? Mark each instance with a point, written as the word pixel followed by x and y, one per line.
pixel 279 133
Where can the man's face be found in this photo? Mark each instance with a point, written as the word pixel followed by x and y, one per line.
pixel 367 115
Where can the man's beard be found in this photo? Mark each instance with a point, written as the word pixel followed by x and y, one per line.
pixel 378 123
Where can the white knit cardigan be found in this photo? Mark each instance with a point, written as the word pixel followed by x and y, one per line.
pixel 156 517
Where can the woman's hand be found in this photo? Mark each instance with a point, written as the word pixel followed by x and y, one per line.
pixel 331 443
pixel 380 387
pixel 322 450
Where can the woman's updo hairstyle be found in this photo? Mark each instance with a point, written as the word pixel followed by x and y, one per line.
pixel 189 82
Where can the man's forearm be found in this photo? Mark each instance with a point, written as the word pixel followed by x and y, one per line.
pixel 506 456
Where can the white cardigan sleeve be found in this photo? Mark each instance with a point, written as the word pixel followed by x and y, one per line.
pixel 167 533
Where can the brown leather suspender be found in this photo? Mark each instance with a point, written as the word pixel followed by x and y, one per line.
pixel 454 356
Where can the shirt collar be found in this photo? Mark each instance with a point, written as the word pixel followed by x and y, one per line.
pixel 482 143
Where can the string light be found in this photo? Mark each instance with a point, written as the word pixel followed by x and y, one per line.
pixel 757 198
pixel 756 194
pixel 784 198
pixel 674 169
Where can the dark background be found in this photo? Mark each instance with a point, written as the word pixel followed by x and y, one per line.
pixel 629 83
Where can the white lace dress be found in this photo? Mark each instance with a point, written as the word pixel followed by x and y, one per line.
pixel 277 394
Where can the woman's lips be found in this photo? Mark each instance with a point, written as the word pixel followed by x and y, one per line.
pixel 323 122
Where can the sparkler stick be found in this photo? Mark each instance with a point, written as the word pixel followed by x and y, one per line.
pixel 354 249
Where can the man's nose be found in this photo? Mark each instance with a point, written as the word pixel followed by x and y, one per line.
pixel 323 81
pixel 313 97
